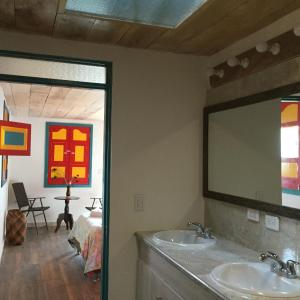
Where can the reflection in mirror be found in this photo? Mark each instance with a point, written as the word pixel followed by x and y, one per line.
pixel 254 151
pixel 290 152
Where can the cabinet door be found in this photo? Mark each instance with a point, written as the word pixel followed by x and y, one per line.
pixel 160 290
pixel 169 294
pixel 143 281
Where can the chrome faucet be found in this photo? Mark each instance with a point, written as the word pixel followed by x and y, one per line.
pixel 201 231
pixel 278 266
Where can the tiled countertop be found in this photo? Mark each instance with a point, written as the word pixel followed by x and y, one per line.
pixel 197 264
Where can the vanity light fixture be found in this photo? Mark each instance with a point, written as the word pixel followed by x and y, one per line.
pixel 296 31
pixel 234 61
pixel 264 47
pixel 219 73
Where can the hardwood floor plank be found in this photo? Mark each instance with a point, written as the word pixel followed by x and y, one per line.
pixel 45 267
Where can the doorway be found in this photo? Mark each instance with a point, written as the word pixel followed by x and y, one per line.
pixel 25 68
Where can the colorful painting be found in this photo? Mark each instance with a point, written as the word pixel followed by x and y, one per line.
pixel 4 170
pixel 68 154
pixel 15 138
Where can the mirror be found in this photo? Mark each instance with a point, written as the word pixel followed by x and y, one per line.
pixel 252 153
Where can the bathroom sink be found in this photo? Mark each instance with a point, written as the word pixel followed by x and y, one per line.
pixel 255 279
pixel 183 238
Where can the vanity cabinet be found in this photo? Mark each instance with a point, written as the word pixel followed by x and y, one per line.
pixel 159 279
pixel 152 287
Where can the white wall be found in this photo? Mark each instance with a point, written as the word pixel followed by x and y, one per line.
pixel 30 170
pixel 3 190
pixel 156 142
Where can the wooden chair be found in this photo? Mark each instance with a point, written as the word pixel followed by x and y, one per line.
pixel 24 201
pixel 90 208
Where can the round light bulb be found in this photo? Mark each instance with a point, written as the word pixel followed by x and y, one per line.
pixel 262 47
pixel 275 48
pixel 297 31
pixel 245 63
pixel 233 61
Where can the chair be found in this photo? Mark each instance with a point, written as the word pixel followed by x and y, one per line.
pixel 90 208
pixel 24 201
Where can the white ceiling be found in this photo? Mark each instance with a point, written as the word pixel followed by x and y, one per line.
pixel 32 100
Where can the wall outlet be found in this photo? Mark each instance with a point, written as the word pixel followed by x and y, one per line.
pixel 253 215
pixel 272 222
pixel 138 200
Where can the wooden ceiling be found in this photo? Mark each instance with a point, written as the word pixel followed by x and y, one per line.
pixel 216 25
pixel 32 100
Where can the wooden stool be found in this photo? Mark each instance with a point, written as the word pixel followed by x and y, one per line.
pixel 15 227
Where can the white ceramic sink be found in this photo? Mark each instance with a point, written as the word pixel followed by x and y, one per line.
pixel 183 238
pixel 255 279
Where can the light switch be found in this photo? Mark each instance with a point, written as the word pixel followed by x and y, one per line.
pixel 253 215
pixel 139 202
pixel 272 222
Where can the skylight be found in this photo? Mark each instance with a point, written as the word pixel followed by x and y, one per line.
pixel 163 13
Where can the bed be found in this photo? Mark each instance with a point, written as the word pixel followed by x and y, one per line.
pixel 86 238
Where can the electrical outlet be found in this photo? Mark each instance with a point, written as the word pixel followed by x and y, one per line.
pixel 272 222
pixel 253 215
pixel 139 202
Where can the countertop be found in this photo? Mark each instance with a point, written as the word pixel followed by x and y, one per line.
pixel 197 264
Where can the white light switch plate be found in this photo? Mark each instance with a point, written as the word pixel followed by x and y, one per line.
pixel 139 202
pixel 253 215
pixel 272 222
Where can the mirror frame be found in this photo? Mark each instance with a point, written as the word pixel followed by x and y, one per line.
pixel 280 92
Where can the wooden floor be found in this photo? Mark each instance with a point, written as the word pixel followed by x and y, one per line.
pixel 45 267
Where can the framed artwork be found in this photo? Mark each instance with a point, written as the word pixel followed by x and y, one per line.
pixel 15 138
pixel 68 154
pixel 4 169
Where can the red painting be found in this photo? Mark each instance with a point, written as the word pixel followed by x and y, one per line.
pixel 68 154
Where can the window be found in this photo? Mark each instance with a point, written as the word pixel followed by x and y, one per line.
pixel 164 13
pixel 68 154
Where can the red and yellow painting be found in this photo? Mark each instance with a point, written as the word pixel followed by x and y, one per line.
pixel 15 138
pixel 68 154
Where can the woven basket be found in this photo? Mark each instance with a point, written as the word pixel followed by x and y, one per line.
pixel 15 227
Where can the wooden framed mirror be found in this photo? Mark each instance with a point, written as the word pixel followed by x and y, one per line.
pixel 251 149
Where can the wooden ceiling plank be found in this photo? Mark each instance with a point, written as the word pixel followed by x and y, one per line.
pixel 141 36
pixel 36 16
pixel 21 94
pixel 8 96
pixel 104 31
pixel 227 32
pixel 72 99
pixel 92 100
pixel 55 98
pixel 7 14
pixel 72 26
pixel 38 97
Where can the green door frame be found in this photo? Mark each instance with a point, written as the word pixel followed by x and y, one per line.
pixel 107 131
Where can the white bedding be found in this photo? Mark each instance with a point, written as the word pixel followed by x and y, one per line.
pixel 87 231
